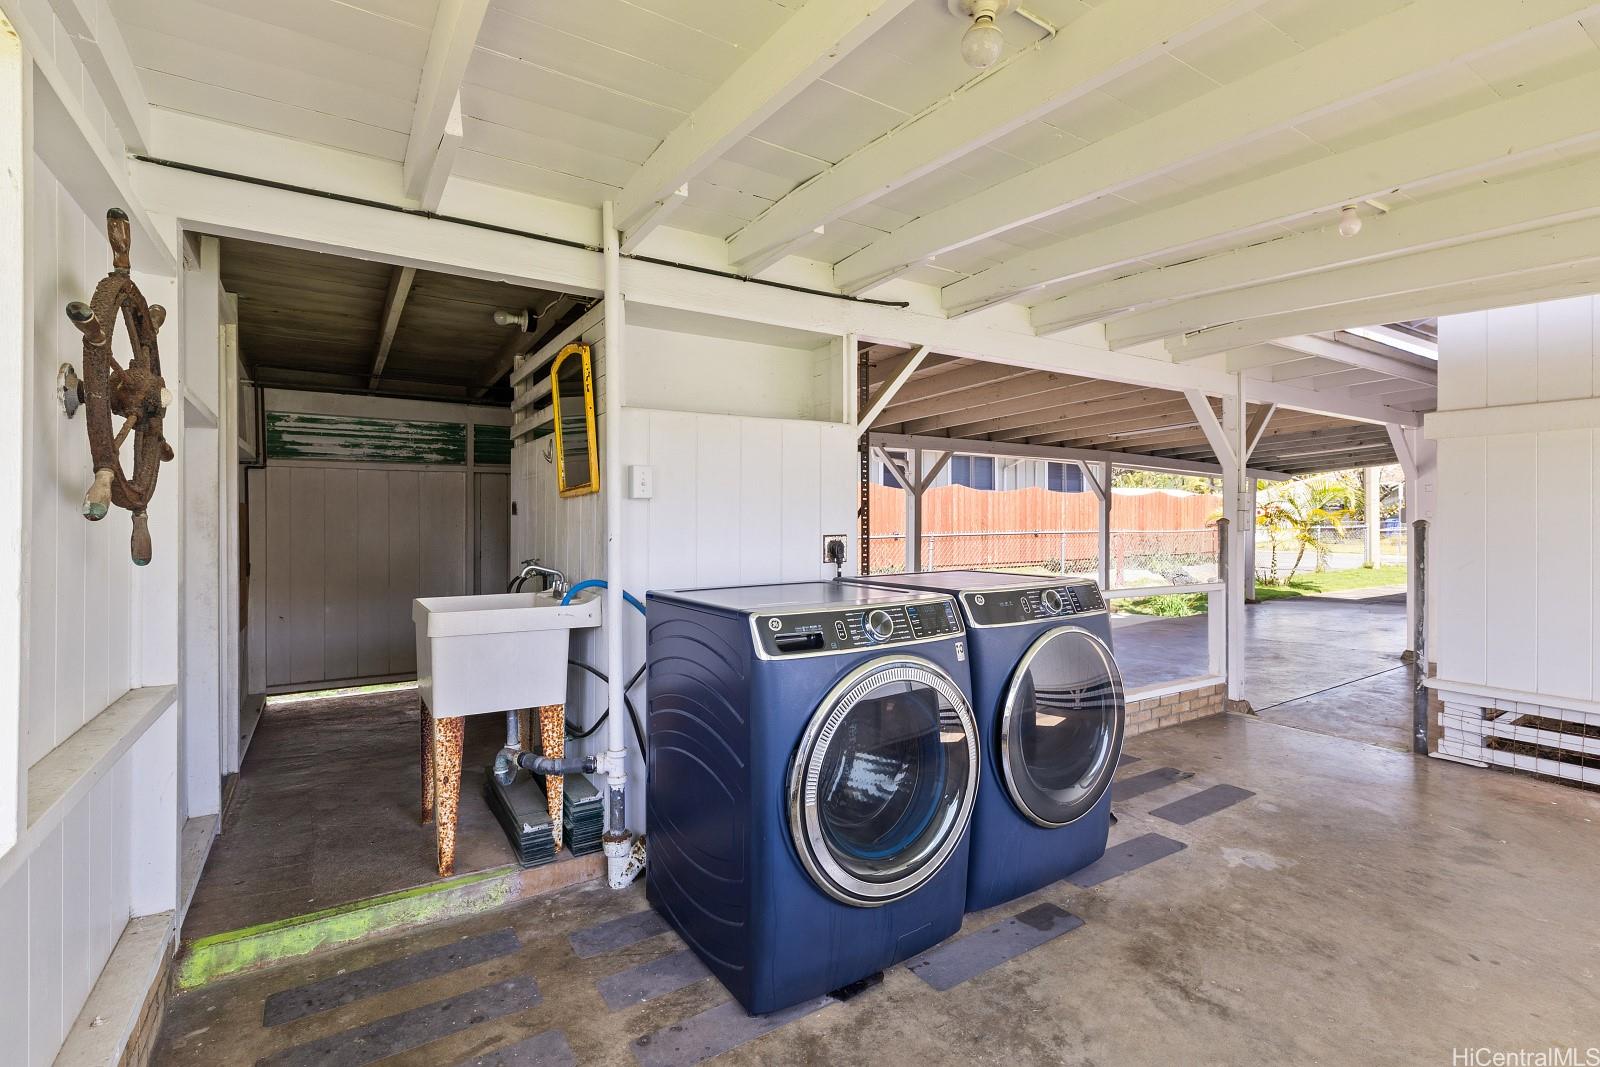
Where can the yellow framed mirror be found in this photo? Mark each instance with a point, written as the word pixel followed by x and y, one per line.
pixel 572 394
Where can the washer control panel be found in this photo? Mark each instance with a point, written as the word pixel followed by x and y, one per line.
pixel 1007 607
pixel 828 630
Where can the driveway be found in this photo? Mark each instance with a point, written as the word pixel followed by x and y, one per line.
pixel 1327 664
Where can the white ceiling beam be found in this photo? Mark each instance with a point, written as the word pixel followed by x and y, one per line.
pixel 232 208
pixel 1055 452
pixel 1459 145
pixel 1345 379
pixel 429 151
pixel 1106 41
pixel 1307 367
pixel 893 375
pixel 1378 55
pixel 100 45
pixel 1413 395
pixel 663 210
pixel 1256 426
pixel 1252 358
pixel 1552 246
pixel 394 303
pixel 1525 288
pixel 803 49
pixel 1565 193
pixel 1404 365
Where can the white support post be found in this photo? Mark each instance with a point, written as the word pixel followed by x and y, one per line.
pixel 15 405
pixel 913 484
pixel 1229 439
pixel 1250 544
pixel 1419 460
pixel 1372 516
pixel 1098 475
pixel 621 867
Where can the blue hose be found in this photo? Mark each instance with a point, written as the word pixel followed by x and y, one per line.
pixel 599 583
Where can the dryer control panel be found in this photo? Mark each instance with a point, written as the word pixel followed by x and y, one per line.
pixel 1010 607
pixel 827 630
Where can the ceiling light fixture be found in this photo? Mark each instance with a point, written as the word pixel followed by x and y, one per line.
pixel 1349 221
pixel 983 42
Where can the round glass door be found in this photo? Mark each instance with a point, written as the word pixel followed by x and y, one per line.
pixel 1061 726
pixel 882 785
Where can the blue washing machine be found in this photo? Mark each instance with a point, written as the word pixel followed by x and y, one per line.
pixel 1050 724
pixel 813 764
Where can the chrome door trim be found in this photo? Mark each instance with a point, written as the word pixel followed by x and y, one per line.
pixel 805 826
pixel 1009 708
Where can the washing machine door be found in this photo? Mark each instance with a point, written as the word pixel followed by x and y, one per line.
pixel 1061 726
pixel 882 783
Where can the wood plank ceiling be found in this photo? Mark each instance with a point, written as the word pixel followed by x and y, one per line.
pixel 1173 174
pixel 308 320
pixel 966 400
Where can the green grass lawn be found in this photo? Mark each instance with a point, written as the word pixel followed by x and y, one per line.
pixel 1177 605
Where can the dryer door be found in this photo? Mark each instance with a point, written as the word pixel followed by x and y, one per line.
pixel 1061 726
pixel 882 784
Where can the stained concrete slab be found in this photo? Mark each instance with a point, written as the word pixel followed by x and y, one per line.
pixel 1297 646
pixel 326 811
pixel 1364 906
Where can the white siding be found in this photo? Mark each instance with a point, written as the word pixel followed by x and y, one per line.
pixel 1516 558
pixel 346 549
pixel 66 901
pixel 738 498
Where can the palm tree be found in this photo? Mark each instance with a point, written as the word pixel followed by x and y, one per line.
pixel 1302 510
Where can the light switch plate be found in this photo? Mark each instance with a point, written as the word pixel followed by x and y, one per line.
pixel 641 482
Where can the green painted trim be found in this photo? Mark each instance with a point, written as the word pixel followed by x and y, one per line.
pixel 491 445
pixel 296 435
pixel 220 955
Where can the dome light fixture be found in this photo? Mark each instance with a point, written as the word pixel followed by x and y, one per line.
pixel 983 42
pixel 1349 221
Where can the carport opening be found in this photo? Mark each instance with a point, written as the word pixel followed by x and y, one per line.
pixel 981 466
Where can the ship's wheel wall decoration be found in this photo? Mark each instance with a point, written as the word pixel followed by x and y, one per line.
pixel 136 393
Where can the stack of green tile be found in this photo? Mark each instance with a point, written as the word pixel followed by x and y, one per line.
pixel 524 815
pixel 583 815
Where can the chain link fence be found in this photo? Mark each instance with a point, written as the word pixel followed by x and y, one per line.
pixel 1333 549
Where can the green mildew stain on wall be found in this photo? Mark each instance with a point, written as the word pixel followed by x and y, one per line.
pixel 296 435
pixel 220 955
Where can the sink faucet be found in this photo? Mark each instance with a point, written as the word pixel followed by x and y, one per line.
pixel 554 579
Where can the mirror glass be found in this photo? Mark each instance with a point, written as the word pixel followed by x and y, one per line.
pixel 572 388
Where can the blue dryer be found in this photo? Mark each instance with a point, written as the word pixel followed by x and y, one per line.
pixel 1050 724
pixel 813 767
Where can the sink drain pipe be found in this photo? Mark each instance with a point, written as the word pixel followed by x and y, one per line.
pixel 622 865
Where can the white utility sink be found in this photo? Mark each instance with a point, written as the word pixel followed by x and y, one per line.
pixel 498 652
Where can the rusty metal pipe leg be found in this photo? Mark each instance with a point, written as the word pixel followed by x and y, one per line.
pixel 448 736
pixel 553 737
pixel 427 765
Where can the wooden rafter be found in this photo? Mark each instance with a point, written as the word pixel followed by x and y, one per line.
pixel 394 303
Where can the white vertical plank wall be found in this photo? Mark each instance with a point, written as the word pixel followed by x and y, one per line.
pixel 739 498
pixel 1516 556
pixel 66 895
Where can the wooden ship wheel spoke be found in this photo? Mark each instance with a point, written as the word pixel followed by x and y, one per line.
pixel 135 394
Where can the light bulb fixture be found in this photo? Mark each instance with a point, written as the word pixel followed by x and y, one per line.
pixel 1349 221
pixel 983 42
pixel 502 317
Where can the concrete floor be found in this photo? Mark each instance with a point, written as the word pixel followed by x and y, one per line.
pixel 326 812
pixel 1364 906
pixel 1326 664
